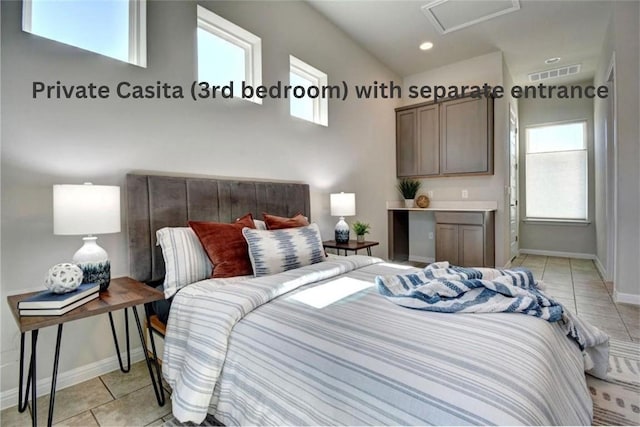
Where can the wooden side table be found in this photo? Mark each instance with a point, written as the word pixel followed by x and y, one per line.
pixel 123 293
pixel 352 245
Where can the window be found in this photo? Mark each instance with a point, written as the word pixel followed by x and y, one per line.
pixel 227 53
pixel 307 107
pixel 114 28
pixel 556 172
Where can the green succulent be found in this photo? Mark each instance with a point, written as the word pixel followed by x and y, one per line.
pixel 361 228
pixel 409 187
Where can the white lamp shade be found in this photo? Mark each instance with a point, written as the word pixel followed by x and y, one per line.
pixel 86 209
pixel 343 204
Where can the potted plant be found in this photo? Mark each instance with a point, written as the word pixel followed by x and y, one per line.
pixel 361 228
pixel 409 188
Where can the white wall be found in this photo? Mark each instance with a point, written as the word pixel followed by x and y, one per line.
pixel 513 104
pixel 46 142
pixel 479 70
pixel 601 160
pixel 558 237
pixel 623 38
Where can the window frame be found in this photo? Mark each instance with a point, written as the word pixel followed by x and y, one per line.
pixel 234 34
pixel 560 220
pixel 317 78
pixel 137 31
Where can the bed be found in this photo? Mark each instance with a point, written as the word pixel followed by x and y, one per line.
pixel 265 351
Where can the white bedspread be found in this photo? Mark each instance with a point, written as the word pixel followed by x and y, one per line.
pixel 362 360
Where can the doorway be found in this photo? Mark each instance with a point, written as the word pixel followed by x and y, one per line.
pixel 611 164
pixel 514 245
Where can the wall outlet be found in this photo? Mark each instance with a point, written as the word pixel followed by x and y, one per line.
pixel 465 194
pixel 430 194
pixel 431 235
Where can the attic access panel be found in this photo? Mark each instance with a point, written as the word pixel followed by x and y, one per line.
pixel 452 15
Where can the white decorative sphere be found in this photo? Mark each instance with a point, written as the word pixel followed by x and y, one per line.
pixel 63 278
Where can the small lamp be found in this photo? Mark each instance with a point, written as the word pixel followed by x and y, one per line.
pixel 87 210
pixel 342 204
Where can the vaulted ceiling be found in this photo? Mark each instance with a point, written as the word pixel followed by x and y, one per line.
pixel 573 30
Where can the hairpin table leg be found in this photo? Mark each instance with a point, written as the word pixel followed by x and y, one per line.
pixel 157 385
pixel 23 399
pixel 115 340
pixel 54 376
pixel 34 408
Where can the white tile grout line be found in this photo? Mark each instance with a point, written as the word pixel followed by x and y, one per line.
pixel 626 327
pixel 573 288
pixel 106 387
pixel 94 417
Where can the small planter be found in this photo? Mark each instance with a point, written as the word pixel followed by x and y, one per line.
pixel 361 228
pixel 408 188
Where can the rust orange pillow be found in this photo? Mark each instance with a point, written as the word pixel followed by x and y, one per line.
pixel 279 222
pixel 225 245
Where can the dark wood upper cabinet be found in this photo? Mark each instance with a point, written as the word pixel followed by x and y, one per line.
pixel 406 147
pixel 429 140
pixel 448 138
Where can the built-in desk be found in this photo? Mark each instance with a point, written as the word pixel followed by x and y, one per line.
pixel 465 232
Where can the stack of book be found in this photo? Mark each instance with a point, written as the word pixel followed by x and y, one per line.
pixel 49 304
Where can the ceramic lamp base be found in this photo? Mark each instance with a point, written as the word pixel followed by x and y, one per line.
pixel 342 231
pixel 94 262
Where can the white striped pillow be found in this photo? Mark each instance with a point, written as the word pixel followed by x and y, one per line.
pixel 275 251
pixel 185 260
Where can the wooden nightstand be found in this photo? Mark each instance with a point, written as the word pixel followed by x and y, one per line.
pixel 352 245
pixel 123 293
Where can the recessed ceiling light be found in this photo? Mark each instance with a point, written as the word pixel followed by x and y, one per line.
pixel 552 60
pixel 426 45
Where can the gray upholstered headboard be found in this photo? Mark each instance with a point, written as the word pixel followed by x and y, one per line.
pixel 154 202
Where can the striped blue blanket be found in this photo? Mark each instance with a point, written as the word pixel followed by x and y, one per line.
pixel 444 288
pixel 449 289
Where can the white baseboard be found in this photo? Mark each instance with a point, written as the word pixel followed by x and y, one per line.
pixel 626 298
pixel 557 254
pixel 426 260
pixel 71 377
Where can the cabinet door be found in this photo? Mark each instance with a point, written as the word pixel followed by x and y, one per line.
pixel 428 140
pixel 447 243
pixel 406 138
pixel 466 142
pixel 471 245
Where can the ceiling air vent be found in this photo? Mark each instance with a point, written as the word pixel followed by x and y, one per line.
pixel 555 73
pixel 453 15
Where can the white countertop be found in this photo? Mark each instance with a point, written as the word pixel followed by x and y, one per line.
pixel 441 205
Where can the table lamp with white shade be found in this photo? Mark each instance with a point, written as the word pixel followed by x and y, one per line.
pixel 342 204
pixel 87 210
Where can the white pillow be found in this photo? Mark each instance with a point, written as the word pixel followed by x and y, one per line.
pixel 185 260
pixel 275 251
pixel 260 224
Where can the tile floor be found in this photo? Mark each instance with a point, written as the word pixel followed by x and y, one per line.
pixel 577 284
pixel 113 399
pixel 118 399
